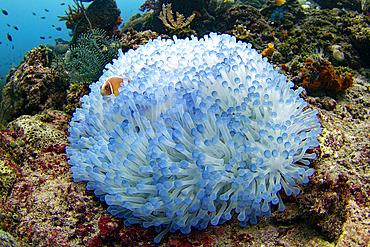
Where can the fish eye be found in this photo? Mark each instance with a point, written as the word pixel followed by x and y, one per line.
pixel 106 88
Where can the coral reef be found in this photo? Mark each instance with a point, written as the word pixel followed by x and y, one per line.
pixel 7 240
pixel 74 93
pixel 348 4
pixel 150 5
pixel 34 86
pixel 46 208
pixel 100 14
pixel 320 74
pixel 240 32
pixel 7 178
pixel 133 39
pixel 39 135
pixel 41 206
pixel 357 27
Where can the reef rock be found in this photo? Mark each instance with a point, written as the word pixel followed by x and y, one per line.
pixel 34 86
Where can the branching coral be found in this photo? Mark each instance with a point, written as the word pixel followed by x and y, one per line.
pixel 240 32
pixel 73 15
pixel 86 60
pixel 166 16
pixel 201 130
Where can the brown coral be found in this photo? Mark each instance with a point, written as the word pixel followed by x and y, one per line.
pixel 100 14
pixel 73 15
pixel 133 39
pixel 321 75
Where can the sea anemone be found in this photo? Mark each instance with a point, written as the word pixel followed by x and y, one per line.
pixel 202 129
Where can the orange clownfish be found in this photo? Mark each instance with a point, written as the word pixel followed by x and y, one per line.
pixel 111 85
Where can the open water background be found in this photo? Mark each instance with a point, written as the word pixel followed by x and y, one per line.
pixel 31 27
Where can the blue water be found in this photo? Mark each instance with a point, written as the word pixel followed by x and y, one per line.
pixel 31 27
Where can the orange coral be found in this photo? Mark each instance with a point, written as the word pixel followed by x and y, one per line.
pixel 119 20
pixel 322 75
pixel 269 50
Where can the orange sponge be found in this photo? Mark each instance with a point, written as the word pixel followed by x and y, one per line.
pixel 322 75
pixel 269 50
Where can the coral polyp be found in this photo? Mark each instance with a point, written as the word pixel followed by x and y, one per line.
pixel 201 130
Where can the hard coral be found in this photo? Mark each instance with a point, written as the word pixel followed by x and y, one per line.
pixel 7 178
pixel 43 207
pixel 34 86
pixel 321 75
pixel 73 15
pixel 133 39
pixel 179 26
pixel 201 130
pixel 100 14
pixel 39 134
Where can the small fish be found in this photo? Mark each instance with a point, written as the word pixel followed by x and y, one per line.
pixel 43 17
pixel 4 12
pixel 46 10
pixel 111 85
pixel 1 78
pixel 42 37
pixel 15 27
pixel 13 47
pixel 58 28
pixel 8 24
pixel 1 42
pixel 52 25
pixel 49 37
pixel 33 13
pixel 62 4
pixel 9 37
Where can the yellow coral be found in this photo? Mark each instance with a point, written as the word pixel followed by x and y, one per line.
pixel 240 31
pixel 166 16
